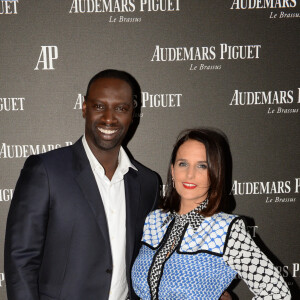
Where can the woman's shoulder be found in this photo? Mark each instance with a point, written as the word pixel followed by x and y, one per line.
pixel 211 235
pixel 156 218
pixel 158 213
pixel 155 227
pixel 225 223
pixel 223 218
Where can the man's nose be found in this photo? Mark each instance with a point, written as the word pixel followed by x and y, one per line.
pixel 108 116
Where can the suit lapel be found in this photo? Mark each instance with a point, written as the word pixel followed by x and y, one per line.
pixel 132 195
pixel 88 185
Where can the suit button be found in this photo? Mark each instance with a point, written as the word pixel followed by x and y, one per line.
pixel 109 271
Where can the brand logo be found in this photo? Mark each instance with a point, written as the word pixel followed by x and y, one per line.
pixel 271 188
pixel 259 4
pixel 122 19
pixel 295 269
pixel 47 55
pixel 284 15
pixel 6 195
pixel 206 53
pixel 252 230
pixel 161 100
pixel 79 101
pixel 123 6
pixel 148 100
pixel 292 270
pixel 23 151
pixel 268 4
pixel 162 5
pixel 11 104
pixel 8 7
pixel 280 99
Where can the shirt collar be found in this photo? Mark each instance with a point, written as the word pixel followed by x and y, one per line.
pixel 124 162
pixel 194 218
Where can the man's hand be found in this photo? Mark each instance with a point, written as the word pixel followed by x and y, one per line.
pixel 225 296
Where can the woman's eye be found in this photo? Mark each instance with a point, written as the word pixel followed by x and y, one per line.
pixel 202 166
pixel 182 164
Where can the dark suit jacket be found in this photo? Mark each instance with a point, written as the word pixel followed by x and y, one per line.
pixel 57 243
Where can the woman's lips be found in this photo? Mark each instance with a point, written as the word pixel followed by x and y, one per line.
pixel 189 186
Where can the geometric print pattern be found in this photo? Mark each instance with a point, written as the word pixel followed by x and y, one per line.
pixel 195 281
pixel 194 218
pixel 162 254
pixel 243 255
pixel 210 235
pixel 170 244
pixel 177 283
pixel 139 272
pixel 153 229
pixel 207 261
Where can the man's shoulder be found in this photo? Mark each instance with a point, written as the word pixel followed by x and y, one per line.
pixel 143 170
pixel 57 157
pixel 149 180
pixel 59 154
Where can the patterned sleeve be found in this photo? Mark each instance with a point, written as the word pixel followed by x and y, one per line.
pixel 261 276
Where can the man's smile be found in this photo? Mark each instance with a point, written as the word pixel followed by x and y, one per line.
pixel 107 131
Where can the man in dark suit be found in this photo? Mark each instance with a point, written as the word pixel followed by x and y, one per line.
pixel 77 214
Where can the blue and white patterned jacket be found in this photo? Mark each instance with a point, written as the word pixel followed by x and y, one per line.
pixel 206 260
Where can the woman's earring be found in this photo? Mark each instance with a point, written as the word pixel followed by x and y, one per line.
pixel 173 182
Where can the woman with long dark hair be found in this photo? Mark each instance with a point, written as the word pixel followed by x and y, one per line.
pixel 191 249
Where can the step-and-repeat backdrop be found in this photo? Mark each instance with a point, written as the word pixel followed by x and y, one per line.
pixel 231 64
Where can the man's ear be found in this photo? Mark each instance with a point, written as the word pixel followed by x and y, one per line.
pixel 84 108
pixel 135 104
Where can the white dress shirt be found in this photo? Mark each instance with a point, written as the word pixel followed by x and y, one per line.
pixel 113 197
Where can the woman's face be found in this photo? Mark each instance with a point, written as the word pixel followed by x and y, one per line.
pixel 190 173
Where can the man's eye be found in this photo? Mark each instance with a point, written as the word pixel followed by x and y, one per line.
pixel 122 108
pixel 98 106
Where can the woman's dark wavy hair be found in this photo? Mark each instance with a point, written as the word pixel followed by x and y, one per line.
pixel 213 141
